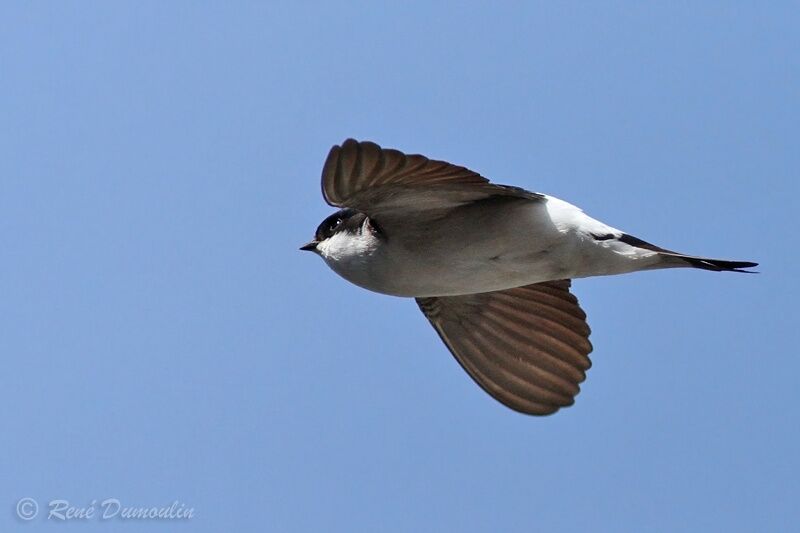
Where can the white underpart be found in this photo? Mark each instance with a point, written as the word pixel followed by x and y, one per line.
pixel 482 249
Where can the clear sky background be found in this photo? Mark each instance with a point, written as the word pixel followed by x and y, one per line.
pixel 163 339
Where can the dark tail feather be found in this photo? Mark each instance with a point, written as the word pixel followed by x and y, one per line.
pixel 716 265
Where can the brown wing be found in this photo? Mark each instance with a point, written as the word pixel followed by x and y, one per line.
pixel 364 176
pixel 528 347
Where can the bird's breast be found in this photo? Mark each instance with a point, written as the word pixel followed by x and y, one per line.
pixel 476 249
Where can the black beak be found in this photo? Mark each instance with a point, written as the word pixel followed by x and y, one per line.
pixel 310 247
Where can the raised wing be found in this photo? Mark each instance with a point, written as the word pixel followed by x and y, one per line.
pixel 527 347
pixel 364 176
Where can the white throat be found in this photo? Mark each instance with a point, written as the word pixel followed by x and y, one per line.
pixel 346 247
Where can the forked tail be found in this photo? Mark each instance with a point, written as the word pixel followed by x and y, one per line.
pixel 678 259
pixel 717 265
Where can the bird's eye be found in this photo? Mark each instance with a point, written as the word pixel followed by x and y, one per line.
pixel 336 223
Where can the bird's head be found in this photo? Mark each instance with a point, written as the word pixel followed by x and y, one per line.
pixel 346 233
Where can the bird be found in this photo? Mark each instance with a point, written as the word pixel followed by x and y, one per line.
pixel 489 265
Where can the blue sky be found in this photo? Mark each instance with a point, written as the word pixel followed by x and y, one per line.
pixel 164 340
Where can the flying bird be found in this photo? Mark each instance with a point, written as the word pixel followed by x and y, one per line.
pixel 489 265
